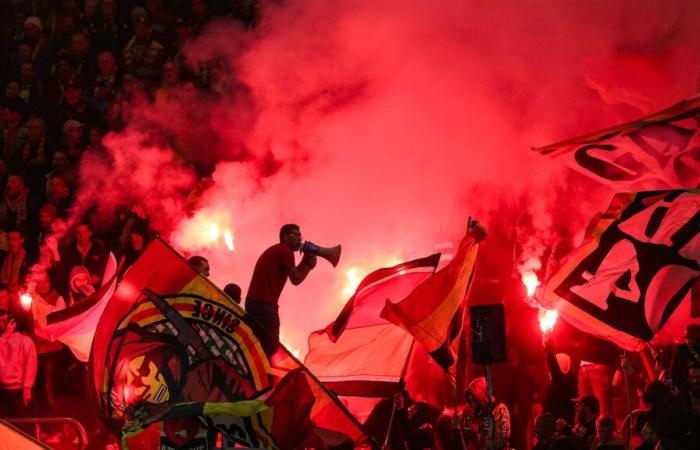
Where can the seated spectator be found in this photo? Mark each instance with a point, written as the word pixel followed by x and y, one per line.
pixel 62 167
pixel 73 140
pixel 106 85
pixel 200 15
pixel 95 141
pixel 16 204
pixel 86 251
pixel 171 78
pixel 60 196
pixel 162 18
pixel 143 55
pixel 14 135
pixel 83 59
pixel 12 88
pixel 80 286
pixel 15 263
pixel 18 367
pixel 110 31
pixel 74 105
pixel 35 154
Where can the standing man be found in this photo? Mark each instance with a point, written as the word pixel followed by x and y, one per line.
pixel 274 266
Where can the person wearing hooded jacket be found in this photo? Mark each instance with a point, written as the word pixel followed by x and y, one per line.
pixel 18 368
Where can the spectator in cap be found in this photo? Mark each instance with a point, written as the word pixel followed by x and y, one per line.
pixel 13 133
pixel 587 412
pixel 143 55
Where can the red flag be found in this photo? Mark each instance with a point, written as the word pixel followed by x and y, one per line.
pixel 433 313
pixel 630 282
pixel 660 151
pixel 350 355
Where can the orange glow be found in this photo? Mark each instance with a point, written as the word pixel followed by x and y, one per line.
pixel 228 239
pixel 353 277
pixel 530 281
pixel 547 318
pixel 214 231
pixel 293 350
pixel 26 301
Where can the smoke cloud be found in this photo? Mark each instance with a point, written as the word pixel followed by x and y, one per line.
pixel 383 125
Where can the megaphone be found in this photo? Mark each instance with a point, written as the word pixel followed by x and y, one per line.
pixel 330 254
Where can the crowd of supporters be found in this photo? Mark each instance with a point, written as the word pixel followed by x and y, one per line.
pixel 70 72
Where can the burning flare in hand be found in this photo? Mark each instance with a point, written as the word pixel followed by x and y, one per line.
pixel 530 281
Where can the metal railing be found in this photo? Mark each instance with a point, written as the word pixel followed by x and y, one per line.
pixel 37 422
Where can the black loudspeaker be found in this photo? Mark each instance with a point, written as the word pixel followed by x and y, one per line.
pixel 488 324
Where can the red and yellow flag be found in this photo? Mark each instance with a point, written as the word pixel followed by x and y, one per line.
pixel 434 311
pixel 169 336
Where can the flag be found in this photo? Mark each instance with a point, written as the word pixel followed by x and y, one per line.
pixel 350 355
pixel 169 336
pixel 434 312
pixel 630 282
pixel 75 326
pixel 660 151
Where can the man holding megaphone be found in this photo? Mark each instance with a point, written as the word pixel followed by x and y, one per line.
pixel 272 269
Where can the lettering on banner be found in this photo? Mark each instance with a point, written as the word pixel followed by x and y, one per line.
pixel 653 157
pixel 645 264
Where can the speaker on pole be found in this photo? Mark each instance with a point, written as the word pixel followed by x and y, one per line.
pixel 488 325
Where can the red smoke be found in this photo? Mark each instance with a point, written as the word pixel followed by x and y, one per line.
pixel 378 125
